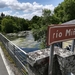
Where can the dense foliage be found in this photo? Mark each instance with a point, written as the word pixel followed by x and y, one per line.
pixel 63 12
pixel 9 24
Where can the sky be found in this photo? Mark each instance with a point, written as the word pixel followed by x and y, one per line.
pixel 27 8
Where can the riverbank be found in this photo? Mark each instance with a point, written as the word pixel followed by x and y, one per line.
pixel 12 36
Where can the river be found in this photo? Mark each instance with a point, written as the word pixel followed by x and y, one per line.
pixel 27 43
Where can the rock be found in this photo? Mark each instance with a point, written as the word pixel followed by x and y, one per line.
pixel 19 34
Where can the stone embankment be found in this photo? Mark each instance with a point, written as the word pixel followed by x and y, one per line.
pixel 63 62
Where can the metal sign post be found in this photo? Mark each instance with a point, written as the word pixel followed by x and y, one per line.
pixel 72 47
pixel 51 59
pixel 56 34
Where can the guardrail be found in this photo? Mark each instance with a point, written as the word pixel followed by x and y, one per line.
pixel 36 63
pixel 18 55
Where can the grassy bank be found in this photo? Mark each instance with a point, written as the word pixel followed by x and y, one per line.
pixel 7 54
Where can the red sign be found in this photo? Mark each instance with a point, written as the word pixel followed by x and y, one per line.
pixel 60 33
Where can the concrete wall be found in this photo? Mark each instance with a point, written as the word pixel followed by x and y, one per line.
pixel 63 62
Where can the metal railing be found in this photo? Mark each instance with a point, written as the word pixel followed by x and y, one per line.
pixel 19 56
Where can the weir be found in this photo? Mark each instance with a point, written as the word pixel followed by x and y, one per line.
pixel 37 62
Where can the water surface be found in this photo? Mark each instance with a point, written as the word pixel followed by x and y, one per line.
pixel 27 43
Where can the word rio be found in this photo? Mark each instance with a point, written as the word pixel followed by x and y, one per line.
pixel 57 34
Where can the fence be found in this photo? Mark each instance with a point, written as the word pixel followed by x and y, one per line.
pixel 18 55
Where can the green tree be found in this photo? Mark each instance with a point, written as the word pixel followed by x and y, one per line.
pixel 7 25
pixel 65 11
pixel 24 24
pixel 35 21
pixel 2 15
pixel 40 26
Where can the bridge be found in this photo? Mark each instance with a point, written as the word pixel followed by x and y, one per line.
pixel 37 62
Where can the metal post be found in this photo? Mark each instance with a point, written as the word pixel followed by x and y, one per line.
pixel 72 48
pixel 51 59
